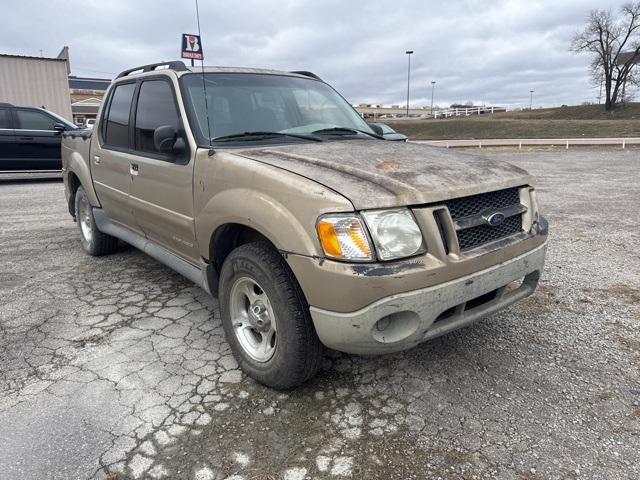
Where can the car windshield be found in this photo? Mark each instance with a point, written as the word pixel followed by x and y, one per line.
pixel 386 128
pixel 245 102
pixel 62 120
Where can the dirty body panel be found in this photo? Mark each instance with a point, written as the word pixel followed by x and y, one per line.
pixel 383 174
pixel 401 321
pixel 283 207
pixel 280 189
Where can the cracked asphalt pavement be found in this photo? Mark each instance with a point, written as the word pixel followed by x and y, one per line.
pixel 117 368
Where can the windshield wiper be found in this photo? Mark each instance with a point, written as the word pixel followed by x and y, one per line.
pixel 344 131
pixel 261 136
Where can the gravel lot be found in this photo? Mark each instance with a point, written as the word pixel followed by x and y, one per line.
pixel 117 367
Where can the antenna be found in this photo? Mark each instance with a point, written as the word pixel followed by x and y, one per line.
pixel 204 83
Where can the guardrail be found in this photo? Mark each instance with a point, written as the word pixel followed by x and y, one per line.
pixel 526 142
pixel 466 112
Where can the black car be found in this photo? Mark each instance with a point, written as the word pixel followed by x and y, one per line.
pixel 30 139
pixel 389 133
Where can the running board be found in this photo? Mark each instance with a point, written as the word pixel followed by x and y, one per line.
pixel 199 276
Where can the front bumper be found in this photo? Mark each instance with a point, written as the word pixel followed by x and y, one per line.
pixel 402 321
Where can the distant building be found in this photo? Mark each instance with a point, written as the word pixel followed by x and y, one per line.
pixel 36 82
pixel 623 58
pixel 86 97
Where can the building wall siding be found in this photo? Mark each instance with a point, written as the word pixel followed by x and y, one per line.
pixel 35 82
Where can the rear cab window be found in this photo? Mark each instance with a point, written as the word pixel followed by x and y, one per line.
pixel 116 120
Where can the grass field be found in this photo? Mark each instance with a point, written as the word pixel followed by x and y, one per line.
pixel 575 122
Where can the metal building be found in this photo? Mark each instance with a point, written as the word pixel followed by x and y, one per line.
pixel 36 82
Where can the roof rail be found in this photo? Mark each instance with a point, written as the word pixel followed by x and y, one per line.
pixel 307 74
pixel 2 104
pixel 176 65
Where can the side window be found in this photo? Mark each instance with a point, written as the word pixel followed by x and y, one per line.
pixel 33 120
pixel 5 118
pixel 116 132
pixel 156 108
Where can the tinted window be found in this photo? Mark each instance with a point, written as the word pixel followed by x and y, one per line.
pixel 5 119
pixel 156 107
pixel 34 120
pixel 117 124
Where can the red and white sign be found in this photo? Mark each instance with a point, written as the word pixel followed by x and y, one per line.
pixel 192 47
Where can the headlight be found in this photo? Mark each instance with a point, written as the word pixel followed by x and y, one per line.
pixel 395 233
pixel 344 237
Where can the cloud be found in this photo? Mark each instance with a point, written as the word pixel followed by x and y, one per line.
pixel 491 51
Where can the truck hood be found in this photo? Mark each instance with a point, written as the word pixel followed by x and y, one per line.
pixel 379 174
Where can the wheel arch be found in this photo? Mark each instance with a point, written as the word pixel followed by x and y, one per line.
pixel 244 213
pixel 228 237
pixel 73 183
pixel 78 173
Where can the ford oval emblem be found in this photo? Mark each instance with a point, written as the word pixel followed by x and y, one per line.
pixel 495 219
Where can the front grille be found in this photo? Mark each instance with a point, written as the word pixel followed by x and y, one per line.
pixel 472 237
pixel 475 236
pixel 475 204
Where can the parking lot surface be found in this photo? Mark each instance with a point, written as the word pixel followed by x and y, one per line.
pixel 116 367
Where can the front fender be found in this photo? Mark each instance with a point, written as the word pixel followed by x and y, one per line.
pixel 262 213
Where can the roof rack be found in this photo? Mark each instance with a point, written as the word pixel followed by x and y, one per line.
pixel 176 65
pixel 307 74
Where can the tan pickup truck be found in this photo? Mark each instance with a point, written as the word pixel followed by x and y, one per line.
pixel 269 191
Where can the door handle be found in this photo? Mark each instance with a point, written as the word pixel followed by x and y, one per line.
pixel 134 169
pixel 96 159
pixel 26 138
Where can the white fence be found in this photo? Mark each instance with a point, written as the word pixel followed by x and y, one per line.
pixel 622 142
pixel 466 111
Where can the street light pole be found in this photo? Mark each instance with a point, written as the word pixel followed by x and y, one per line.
pixel 531 100
pixel 408 52
pixel 433 86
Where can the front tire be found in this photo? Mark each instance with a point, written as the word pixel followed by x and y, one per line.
pixel 266 318
pixel 94 242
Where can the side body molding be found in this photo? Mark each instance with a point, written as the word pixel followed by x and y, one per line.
pixel 200 275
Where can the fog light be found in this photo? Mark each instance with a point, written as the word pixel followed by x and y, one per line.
pixel 383 323
pixel 395 327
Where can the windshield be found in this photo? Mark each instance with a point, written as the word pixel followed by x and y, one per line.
pixel 386 128
pixel 243 102
pixel 62 119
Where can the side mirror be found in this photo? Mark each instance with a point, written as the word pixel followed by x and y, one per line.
pixel 166 140
pixel 59 128
pixel 376 128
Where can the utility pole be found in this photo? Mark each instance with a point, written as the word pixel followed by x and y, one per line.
pixel 433 86
pixel 531 100
pixel 408 52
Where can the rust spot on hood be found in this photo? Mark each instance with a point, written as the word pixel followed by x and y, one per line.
pixel 388 166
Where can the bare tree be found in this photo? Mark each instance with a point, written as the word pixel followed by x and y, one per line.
pixel 614 44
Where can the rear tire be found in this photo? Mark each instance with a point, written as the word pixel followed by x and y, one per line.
pixel 93 241
pixel 266 318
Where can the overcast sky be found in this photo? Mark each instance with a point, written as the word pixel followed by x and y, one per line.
pixel 485 51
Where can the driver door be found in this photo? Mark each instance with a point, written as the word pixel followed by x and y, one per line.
pixel 162 184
